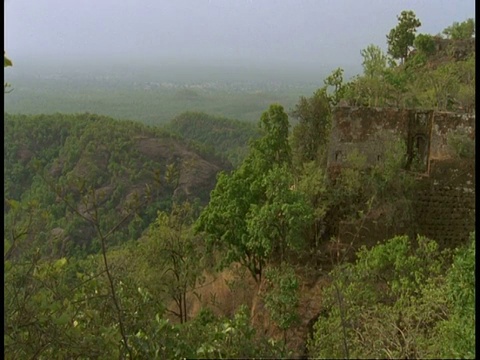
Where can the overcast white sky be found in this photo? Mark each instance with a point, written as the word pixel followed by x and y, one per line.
pixel 327 32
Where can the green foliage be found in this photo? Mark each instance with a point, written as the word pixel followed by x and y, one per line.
pixel 176 255
pixel 282 298
pixel 461 31
pixel 390 176
pixel 278 224
pixel 401 38
pixel 461 144
pixel 233 338
pixel 424 43
pixel 273 147
pixel 352 192
pixel 310 135
pixel 449 85
pixel 372 84
pixel 465 72
pixel 60 309
pixel 226 136
pixel 442 83
pixel 374 61
pixel 426 78
pixel 55 310
pixel 348 190
pixel 390 301
pixel 371 89
pixel 312 183
pixel 252 213
pixel 457 333
pixel 398 82
pixel 102 167
pixel 397 302
pixel 335 80
pixel 205 337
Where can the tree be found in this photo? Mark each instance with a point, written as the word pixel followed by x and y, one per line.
pixel 173 250
pixel 374 66
pixel 335 80
pixel 312 183
pixel 401 38
pixel 397 81
pixel 311 133
pixel 425 44
pixel 273 147
pixel 252 212
pixel 461 31
pixel 277 224
pixel 444 84
pixel 374 61
pixel 282 298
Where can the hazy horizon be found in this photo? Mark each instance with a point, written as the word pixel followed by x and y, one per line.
pixel 301 35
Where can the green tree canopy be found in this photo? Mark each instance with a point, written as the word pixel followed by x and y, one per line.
pixel 311 133
pixel 253 212
pixel 424 43
pixel 374 61
pixel 335 80
pixel 463 30
pixel 401 38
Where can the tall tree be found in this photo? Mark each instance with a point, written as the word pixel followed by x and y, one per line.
pixel 282 298
pixel 277 224
pixel 273 146
pixel 253 212
pixel 374 66
pixel 311 132
pixel 401 38
pixel 374 61
pixel 173 250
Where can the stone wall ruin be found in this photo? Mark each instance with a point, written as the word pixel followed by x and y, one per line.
pixel 444 206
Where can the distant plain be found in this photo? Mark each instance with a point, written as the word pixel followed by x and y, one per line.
pixel 156 93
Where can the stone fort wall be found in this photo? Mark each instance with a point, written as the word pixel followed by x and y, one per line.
pixel 444 205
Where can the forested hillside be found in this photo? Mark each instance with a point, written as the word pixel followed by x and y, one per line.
pixel 213 238
pixel 227 137
pixel 66 166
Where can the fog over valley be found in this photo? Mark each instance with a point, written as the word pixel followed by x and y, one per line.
pixel 289 36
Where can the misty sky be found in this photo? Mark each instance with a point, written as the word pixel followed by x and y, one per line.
pixel 327 32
